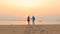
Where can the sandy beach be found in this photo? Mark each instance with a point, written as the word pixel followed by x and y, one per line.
pixel 29 16
pixel 32 29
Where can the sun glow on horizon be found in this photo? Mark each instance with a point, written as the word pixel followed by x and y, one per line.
pixel 29 5
pixel 22 8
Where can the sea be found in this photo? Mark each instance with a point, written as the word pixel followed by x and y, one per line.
pixel 31 23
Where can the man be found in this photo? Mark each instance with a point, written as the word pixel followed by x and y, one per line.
pixel 33 19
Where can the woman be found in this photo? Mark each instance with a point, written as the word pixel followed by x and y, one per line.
pixel 28 19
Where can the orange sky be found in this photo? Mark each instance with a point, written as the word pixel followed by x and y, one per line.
pixel 21 8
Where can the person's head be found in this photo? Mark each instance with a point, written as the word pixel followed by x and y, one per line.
pixel 32 16
pixel 28 16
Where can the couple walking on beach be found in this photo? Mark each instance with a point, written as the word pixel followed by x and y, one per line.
pixel 33 19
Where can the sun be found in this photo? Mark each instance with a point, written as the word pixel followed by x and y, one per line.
pixel 24 3
pixel 29 3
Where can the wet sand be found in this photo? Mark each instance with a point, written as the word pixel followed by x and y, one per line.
pixel 32 29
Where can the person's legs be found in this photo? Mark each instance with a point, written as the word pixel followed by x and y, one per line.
pixel 33 22
pixel 28 22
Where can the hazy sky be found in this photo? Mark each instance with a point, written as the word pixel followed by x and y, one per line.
pixel 45 9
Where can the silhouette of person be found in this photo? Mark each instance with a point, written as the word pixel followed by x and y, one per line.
pixel 33 19
pixel 28 19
